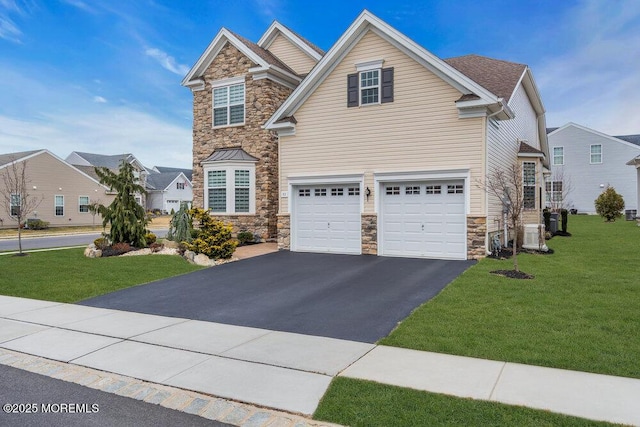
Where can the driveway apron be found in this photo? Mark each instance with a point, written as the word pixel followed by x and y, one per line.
pixel 358 298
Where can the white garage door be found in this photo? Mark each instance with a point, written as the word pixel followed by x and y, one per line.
pixel 424 219
pixel 326 218
pixel 173 204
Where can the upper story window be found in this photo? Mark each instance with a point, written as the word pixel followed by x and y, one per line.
pixel 558 156
pixel 596 154
pixel 228 105
pixel 372 84
pixel 179 185
pixel 529 185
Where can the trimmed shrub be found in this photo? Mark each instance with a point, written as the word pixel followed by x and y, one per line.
pixel 546 214
pixel 609 204
pixel 37 224
pixel 245 237
pixel 150 238
pixel 564 215
pixel 213 237
pixel 101 243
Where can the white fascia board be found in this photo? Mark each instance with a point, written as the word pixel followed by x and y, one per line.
pixel 325 179
pixel 212 51
pixel 276 74
pixel 22 159
pixel 283 128
pixel 531 155
pixel 275 28
pixel 223 163
pixel 226 82
pixel 348 40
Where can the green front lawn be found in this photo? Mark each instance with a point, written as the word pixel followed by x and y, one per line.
pixel 581 311
pixel 68 276
pixel 362 403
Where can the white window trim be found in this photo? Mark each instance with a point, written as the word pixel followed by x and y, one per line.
pixel 553 155
pixel 55 206
pixel 230 168
pixel 591 154
pixel 234 81
pixel 80 204
pixel 361 88
pixel 375 64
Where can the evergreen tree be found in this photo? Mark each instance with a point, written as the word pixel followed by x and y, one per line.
pixel 609 204
pixel 181 225
pixel 127 218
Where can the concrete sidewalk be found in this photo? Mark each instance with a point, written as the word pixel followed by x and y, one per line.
pixel 287 371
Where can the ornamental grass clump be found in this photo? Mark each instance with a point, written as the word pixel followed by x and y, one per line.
pixel 212 237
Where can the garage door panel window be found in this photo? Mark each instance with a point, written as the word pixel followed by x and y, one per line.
pixel 392 191
pixel 455 189
pixel 320 192
pixel 304 192
pixel 337 191
pixel 433 189
pixel 354 191
pixel 412 190
pixel 230 190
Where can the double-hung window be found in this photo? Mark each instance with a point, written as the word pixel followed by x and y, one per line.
pixel 558 156
pixel 228 102
pixel 59 205
pixel 596 154
pixel 15 205
pixel 217 190
pixel 554 192
pixel 371 85
pixel 529 185
pixel 83 204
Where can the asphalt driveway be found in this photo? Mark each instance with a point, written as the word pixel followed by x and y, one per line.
pixel 359 298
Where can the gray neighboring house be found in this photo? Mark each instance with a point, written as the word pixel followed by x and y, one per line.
pixel 168 188
pixel 589 161
pixel 87 162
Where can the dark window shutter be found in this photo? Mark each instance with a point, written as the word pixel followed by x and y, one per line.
pixel 387 85
pixel 352 90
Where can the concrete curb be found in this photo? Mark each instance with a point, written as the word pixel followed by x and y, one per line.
pixel 209 407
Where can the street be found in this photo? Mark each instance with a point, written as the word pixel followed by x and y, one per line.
pixel 57 241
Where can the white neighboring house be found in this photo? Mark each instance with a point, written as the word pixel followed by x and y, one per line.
pixel 167 188
pixel 589 161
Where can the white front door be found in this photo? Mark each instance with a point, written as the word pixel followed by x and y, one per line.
pixel 425 219
pixel 326 218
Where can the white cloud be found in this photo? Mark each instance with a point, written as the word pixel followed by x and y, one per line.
pixel 8 28
pixel 167 62
pixel 80 5
pixel 595 83
pixel 118 130
pixel 99 100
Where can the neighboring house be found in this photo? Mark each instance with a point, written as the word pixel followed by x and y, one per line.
pixel 378 150
pixel 168 188
pixel 584 162
pixel 87 162
pixel 65 191
pixel 188 173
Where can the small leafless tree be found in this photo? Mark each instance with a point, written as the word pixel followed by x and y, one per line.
pixel 18 202
pixel 508 186
pixel 560 188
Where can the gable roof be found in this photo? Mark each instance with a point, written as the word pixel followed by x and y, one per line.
pixel 265 61
pixel 8 158
pixel 634 139
pixel 296 39
pixel 160 181
pixel 628 140
pixel 188 173
pixel 498 76
pixel 365 22
pixel 111 162
pixel 526 149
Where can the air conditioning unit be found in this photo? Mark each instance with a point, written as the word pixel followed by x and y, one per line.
pixel 531 235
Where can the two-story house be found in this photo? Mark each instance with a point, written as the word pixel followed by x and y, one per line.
pixel 584 162
pixel 376 147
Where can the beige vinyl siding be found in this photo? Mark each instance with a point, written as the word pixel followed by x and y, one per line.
pixel 503 144
pixel 52 177
pixel 291 55
pixel 420 131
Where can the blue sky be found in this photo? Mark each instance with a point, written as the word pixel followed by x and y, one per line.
pixel 104 76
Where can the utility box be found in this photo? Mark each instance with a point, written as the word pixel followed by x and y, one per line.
pixel 531 237
pixel 630 214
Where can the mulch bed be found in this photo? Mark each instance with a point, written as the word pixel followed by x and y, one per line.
pixel 512 274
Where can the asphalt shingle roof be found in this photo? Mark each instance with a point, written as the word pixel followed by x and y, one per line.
pixel 497 76
pixel 187 172
pixel 102 160
pixel 634 139
pixel 526 148
pixel 10 157
pixel 160 181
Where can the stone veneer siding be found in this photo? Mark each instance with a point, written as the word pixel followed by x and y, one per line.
pixel 476 237
pixel 369 226
pixel 284 231
pixel 262 99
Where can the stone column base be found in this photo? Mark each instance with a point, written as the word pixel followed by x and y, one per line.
pixel 476 237
pixel 284 231
pixel 369 225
